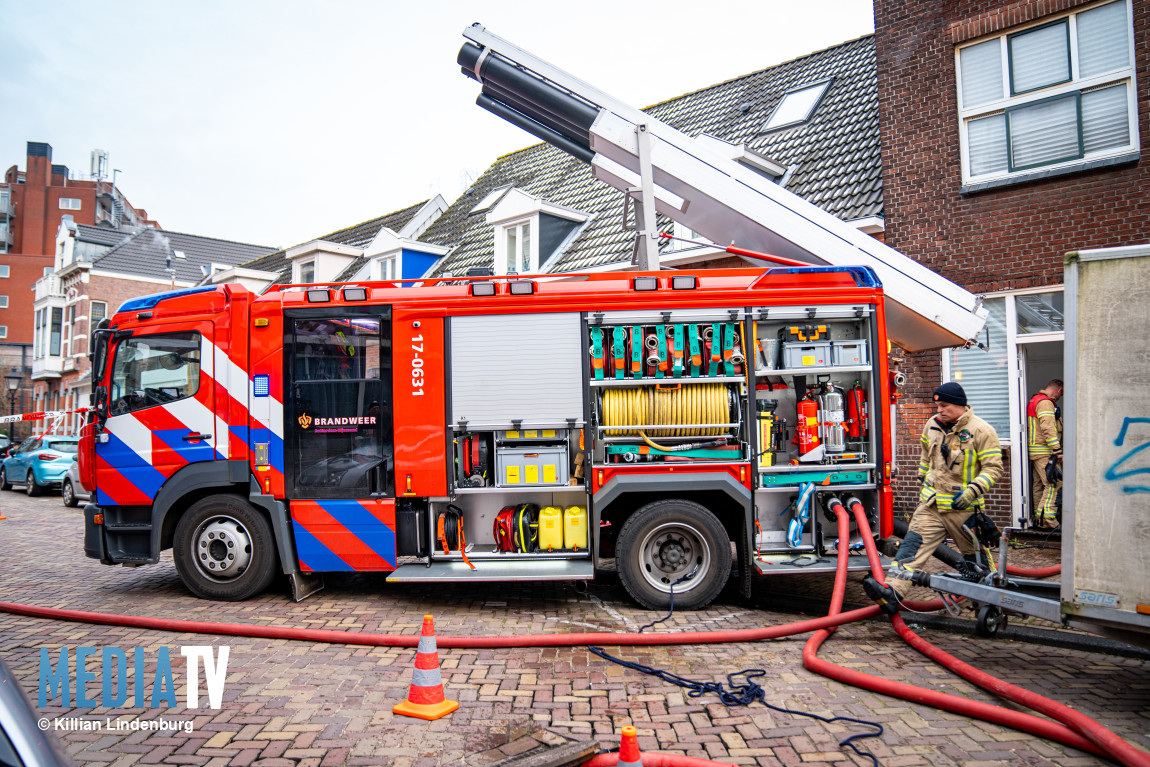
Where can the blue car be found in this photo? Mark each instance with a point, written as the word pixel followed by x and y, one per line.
pixel 39 462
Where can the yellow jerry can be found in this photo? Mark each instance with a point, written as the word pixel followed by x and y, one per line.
pixel 575 527
pixel 550 528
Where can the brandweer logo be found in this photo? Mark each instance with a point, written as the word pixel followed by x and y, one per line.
pixel 112 669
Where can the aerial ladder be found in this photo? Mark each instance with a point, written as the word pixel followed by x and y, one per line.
pixel 668 172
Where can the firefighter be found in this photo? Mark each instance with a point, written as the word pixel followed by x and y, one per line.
pixel 1044 429
pixel 961 461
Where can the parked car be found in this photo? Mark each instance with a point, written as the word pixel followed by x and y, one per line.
pixel 39 462
pixel 22 740
pixel 72 492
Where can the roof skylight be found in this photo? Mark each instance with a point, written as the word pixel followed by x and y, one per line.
pixel 797 106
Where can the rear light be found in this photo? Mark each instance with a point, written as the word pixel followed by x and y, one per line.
pixel 46 457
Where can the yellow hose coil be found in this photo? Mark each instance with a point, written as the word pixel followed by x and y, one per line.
pixel 642 406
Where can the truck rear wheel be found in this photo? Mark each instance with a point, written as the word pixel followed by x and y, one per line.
pixel 667 541
pixel 224 549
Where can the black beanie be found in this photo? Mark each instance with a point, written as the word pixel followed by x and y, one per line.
pixel 950 392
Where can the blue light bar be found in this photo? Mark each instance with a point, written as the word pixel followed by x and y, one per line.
pixel 261 386
pixel 149 302
pixel 864 276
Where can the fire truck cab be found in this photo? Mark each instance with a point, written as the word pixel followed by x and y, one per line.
pixel 491 429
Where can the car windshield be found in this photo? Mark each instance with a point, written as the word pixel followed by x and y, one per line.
pixel 64 447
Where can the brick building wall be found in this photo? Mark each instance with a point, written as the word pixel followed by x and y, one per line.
pixel 1008 238
pixel 23 271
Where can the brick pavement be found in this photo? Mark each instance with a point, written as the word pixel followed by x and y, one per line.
pixel 294 703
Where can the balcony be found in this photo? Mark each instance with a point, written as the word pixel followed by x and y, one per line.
pixel 47 367
pixel 47 287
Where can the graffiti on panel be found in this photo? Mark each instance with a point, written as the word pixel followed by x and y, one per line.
pixel 1133 467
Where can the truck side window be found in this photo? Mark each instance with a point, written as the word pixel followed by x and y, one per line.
pixel 341 427
pixel 154 370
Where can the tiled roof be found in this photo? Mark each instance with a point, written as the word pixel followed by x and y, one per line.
pixel 101 235
pixel 834 158
pixel 358 236
pixel 145 254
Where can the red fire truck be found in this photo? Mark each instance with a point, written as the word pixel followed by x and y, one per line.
pixel 687 424
pixel 491 429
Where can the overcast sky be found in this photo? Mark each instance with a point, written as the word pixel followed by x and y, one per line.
pixel 276 122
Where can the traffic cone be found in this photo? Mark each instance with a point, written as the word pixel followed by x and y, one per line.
pixel 629 748
pixel 425 699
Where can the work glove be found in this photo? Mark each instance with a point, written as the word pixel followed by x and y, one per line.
pixel 965 499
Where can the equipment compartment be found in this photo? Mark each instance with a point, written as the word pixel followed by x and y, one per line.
pixel 530 465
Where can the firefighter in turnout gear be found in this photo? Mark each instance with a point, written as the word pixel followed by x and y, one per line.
pixel 1044 429
pixel 961 461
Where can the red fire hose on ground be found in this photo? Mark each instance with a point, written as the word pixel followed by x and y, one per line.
pixel 1072 729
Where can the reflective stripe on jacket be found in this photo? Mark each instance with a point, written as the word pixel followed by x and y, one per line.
pixel 966 453
pixel 1042 427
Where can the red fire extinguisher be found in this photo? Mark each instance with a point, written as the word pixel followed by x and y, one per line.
pixel 807 425
pixel 857 413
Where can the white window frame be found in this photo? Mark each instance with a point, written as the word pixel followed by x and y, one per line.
pixel 3 302
pixel 71 203
pixel 3 331
pixel 502 263
pixel 1076 85
pixel 1016 439
pixel 92 311
pixel 388 268
pixel 306 265
pixel 777 113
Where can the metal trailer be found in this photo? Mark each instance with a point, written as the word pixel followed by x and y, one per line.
pixel 1105 586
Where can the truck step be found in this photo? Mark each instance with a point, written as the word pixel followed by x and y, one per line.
pixel 796 562
pixel 517 570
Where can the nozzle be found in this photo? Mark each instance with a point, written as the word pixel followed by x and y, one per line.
pixel 884 596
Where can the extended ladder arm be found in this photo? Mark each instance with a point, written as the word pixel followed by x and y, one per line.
pixel 714 196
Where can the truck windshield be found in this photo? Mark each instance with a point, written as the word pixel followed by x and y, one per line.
pixel 154 370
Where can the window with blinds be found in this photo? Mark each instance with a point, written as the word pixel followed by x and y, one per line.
pixel 985 375
pixel 1060 92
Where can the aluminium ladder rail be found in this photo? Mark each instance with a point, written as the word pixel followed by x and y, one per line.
pixel 712 195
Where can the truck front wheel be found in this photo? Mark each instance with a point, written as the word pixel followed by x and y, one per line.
pixel 224 549
pixel 673 544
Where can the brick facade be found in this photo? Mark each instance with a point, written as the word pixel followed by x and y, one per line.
pixel 1008 238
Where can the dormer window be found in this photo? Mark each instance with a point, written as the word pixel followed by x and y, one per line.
pixel 386 268
pixel 306 272
pixel 797 106
pixel 529 232
pixel 517 251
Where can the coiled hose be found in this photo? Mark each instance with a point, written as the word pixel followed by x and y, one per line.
pixel 682 409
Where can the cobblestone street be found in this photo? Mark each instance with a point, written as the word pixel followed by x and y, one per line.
pixel 296 703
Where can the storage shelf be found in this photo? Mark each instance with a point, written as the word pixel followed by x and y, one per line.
pixel 522 488
pixel 825 370
pixel 651 381
pixel 810 468
pixel 794 487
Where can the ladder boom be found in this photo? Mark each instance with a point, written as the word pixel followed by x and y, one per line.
pixel 714 196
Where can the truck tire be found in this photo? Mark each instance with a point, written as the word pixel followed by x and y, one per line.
pixel 224 549
pixel 666 540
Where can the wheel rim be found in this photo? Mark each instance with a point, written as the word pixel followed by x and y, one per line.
pixel 30 485
pixel 671 551
pixel 221 549
pixel 67 492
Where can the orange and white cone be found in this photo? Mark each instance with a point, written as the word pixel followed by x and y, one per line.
pixel 629 748
pixel 425 699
